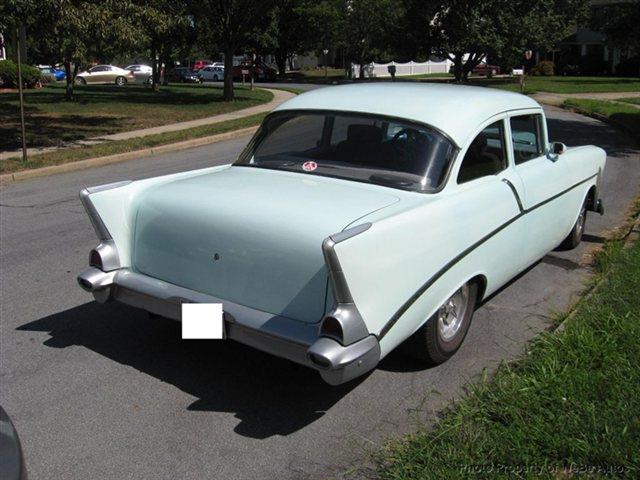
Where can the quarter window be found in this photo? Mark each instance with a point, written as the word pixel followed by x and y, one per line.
pixel 526 136
pixel 486 154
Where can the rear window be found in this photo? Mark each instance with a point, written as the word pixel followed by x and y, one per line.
pixel 358 147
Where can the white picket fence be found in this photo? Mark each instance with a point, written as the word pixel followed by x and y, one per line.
pixel 374 70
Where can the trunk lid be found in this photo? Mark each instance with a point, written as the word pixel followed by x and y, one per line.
pixel 251 236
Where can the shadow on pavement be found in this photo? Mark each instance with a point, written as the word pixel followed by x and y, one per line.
pixel 269 395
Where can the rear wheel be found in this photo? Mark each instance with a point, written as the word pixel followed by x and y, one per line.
pixel 442 334
pixel 575 236
pixel 120 81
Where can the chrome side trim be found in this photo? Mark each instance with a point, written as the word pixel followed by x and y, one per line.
pixel 407 304
pixel 344 310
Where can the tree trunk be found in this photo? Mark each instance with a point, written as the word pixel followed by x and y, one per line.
pixel 164 59
pixel 228 94
pixel 281 62
pixel 70 77
pixel 155 73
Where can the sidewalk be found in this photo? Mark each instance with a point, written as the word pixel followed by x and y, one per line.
pixel 279 96
pixel 558 99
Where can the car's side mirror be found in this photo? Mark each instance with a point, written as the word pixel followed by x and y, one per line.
pixel 558 148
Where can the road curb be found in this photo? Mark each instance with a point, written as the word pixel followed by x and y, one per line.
pixel 122 157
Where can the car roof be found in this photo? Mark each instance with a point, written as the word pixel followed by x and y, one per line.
pixel 456 110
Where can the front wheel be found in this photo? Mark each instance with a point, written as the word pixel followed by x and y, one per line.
pixel 81 81
pixel 575 235
pixel 442 334
pixel 120 81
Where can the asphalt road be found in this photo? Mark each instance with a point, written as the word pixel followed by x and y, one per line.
pixel 102 391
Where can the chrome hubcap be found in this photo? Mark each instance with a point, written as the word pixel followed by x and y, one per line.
pixel 451 314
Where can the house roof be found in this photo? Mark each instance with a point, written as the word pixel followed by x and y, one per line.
pixel 456 110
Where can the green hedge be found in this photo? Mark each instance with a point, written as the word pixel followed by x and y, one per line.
pixel 9 74
pixel 544 68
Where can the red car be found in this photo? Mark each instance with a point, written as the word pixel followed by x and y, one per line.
pixel 200 64
pixel 486 70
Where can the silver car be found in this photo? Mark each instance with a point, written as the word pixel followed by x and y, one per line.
pixel 211 73
pixel 105 74
pixel 141 73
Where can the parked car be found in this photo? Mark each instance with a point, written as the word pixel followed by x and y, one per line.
pixel 350 225
pixel 105 74
pixel 141 73
pixel 52 73
pixel 200 64
pixel 12 466
pixel 211 73
pixel 486 70
pixel 183 75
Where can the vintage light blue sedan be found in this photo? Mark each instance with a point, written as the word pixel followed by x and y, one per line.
pixel 357 219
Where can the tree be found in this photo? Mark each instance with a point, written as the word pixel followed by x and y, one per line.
pixel 290 31
pixel 166 25
pixel 468 31
pixel 69 31
pixel 620 22
pixel 230 24
pixel 368 25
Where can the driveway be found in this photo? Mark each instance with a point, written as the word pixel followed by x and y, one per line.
pixel 102 391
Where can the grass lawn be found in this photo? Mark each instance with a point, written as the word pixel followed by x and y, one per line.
pixel 564 84
pixel 634 100
pixel 626 116
pixel 67 155
pixel 105 109
pixel 572 400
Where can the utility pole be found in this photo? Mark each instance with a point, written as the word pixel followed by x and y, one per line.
pixel 24 140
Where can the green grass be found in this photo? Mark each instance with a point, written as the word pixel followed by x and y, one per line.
pixel 572 400
pixel 634 100
pixel 564 84
pixel 625 116
pixel 110 148
pixel 106 109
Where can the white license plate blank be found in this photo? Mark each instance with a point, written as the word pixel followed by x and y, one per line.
pixel 202 321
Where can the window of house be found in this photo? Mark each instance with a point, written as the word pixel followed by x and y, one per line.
pixel 486 155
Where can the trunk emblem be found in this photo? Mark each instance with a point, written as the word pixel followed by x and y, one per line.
pixel 216 257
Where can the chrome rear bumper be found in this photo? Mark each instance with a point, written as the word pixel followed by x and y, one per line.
pixel 280 336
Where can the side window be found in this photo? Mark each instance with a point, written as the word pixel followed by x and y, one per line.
pixel 486 154
pixel 526 135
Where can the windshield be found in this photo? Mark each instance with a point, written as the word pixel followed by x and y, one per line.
pixel 360 147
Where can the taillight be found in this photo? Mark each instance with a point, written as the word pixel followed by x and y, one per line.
pixel 95 260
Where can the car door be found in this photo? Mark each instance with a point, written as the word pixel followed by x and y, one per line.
pixel 98 74
pixel 488 192
pixel 549 213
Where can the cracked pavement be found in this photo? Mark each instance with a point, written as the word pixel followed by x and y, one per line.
pixel 102 391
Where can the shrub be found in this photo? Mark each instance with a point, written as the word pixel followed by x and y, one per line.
pixel 9 74
pixel 545 68
pixel 593 65
pixel 629 67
